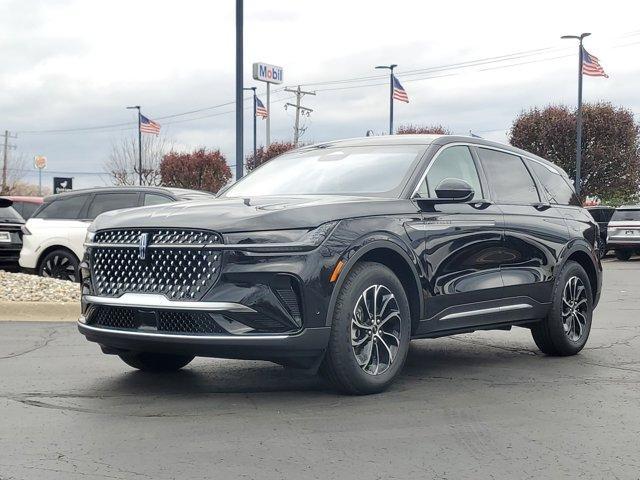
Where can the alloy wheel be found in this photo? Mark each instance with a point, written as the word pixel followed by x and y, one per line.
pixel 574 309
pixel 375 329
pixel 59 266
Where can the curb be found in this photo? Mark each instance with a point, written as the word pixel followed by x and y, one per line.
pixel 39 312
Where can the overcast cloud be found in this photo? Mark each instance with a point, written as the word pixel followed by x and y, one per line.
pixel 75 64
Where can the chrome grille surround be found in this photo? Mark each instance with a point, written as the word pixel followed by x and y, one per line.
pixel 179 264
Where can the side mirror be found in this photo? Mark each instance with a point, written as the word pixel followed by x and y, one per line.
pixel 454 190
pixel 5 202
pixel 450 190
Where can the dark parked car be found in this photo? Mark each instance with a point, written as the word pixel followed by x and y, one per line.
pixel 10 235
pixel 335 256
pixel 602 215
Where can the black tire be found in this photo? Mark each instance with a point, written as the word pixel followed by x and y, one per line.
pixel 553 335
pixel 340 365
pixel 156 362
pixel 61 264
pixel 624 255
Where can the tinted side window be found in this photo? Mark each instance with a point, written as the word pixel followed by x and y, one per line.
pixel 105 202
pixel 154 199
pixel 28 209
pixel 509 177
pixel 63 208
pixel 596 214
pixel 452 162
pixel 558 190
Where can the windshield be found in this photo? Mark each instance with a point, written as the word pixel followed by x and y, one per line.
pixel 9 215
pixel 626 215
pixel 374 171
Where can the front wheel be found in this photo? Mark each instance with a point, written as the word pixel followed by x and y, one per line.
pixel 60 264
pixel 156 362
pixel 370 332
pixel 566 328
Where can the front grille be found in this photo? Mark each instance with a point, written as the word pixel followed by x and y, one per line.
pixel 162 321
pixel 113 317
pixel 187 322
pixel 169 267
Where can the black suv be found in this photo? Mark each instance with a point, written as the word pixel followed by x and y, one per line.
pixel 336 255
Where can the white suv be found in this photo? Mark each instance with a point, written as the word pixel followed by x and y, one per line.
pixel 53 237
pixel 623 233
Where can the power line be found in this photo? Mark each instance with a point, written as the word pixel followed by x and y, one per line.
pixel 416 72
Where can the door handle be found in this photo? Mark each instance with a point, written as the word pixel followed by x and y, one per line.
pixel 481 204
pixel 540 206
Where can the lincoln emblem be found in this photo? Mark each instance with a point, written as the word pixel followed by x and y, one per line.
pixel 142 248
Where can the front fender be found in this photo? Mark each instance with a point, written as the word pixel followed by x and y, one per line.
pixel 366 244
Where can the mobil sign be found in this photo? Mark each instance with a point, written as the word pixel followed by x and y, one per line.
pixel 267 73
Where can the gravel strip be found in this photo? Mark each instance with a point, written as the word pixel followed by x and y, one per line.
pixel 21 287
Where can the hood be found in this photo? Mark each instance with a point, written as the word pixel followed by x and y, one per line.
pixel 253 214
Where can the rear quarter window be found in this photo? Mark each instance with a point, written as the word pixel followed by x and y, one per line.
pixel 555 185
pixel 65 208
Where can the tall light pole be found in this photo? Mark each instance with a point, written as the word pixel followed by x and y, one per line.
pixel 239 90
pixel 255 144
pixel 137 107
pixel 579 115
pixel 390 68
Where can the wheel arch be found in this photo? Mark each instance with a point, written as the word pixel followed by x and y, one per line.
pixel 581 254
pixel 52 248
pixel 395 257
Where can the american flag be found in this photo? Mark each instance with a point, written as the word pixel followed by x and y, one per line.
pixel 261 110
pixel 591 65
pixel 399 93
pixel 149 126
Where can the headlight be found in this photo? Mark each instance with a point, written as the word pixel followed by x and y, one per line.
pixel 280 240
pixel 25 230
pixel 89 236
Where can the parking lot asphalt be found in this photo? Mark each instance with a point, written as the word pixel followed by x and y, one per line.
pixel 476 406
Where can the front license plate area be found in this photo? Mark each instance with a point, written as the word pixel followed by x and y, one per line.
pixel 5 237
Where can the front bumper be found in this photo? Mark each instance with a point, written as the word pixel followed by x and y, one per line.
pixel 262 307
pixel 303 349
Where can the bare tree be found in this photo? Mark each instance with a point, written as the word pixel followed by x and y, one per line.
pixel 123 165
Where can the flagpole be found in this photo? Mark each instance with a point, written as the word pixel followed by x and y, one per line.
pixel 579 120
pixel 390 68
pixel 255 150
pixel 579 113
pixel 137 107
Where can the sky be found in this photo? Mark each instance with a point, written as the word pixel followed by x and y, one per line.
pixel 469 65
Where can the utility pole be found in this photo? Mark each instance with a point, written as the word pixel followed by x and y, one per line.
pixel 239 90
pixel 5 158
pixel 297 131
pixel 579 115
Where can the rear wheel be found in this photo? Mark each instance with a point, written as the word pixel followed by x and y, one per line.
pixel 60 264
pixel 566 329
pixel 370 332
pixel 156 362
pixel 624 255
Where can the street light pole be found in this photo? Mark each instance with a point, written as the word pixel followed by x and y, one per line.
pixel 390 68
pixel 579 114
pixel 255 144
pixel 239 90
pixel 137 107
